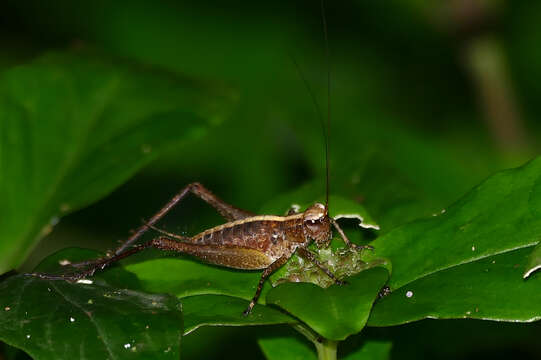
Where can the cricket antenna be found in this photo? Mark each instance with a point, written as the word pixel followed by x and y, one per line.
pixel 327 133
pixel 325 127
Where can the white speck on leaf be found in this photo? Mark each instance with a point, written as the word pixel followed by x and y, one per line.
pixel 90 301
pixel 28 336
pixel 7 308
pixel 72 319
pixel 127 346
pixel 168 349
pixel 409 293
pixel 64 262
pixel 473 248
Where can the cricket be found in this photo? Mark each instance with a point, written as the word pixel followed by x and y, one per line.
pixel 246 241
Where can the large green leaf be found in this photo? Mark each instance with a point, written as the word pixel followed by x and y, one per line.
pixel 468 261
pixel 488 289
pixel 499 215
pixel 335 312
pixel 217 310
pixel 73 129
pixel 61 320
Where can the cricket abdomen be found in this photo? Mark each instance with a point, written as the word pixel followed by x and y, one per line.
pixel 273 236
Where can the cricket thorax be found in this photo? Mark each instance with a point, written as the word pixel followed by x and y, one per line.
pixel 317 225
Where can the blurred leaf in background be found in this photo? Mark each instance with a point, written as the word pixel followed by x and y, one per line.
pixel 73 129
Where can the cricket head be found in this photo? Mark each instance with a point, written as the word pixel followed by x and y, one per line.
pixel 317 225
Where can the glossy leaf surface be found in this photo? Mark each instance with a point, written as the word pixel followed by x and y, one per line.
pixel 55 319
pixel 488 289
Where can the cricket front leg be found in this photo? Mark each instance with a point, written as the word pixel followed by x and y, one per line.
pixel 266 273
pixel 346 240
pixel 308 255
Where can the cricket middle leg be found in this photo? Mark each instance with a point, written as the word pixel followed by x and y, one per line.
pixel 266 273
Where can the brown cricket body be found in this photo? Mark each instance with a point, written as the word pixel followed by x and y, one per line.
pixel 271 236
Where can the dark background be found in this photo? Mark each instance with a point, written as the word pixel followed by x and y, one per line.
pixel 428 98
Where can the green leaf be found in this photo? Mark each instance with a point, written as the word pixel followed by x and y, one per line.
pixel 186 277
pixel 217 310
pixel 335 312
pixel 72 129
pixel 56 319
pixel 371 350
pixel 287 348
pixel 534 262
pixel 488 289
pixel 499 215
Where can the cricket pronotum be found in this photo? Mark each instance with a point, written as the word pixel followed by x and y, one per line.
pixel 247 241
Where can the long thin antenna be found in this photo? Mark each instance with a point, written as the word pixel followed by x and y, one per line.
pixel 325 129
pixel 312 97
pixel 327 138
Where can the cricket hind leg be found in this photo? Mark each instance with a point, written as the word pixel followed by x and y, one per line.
pixel 205 252
pixel 228 211
pixel 308 255
pixel 266 273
